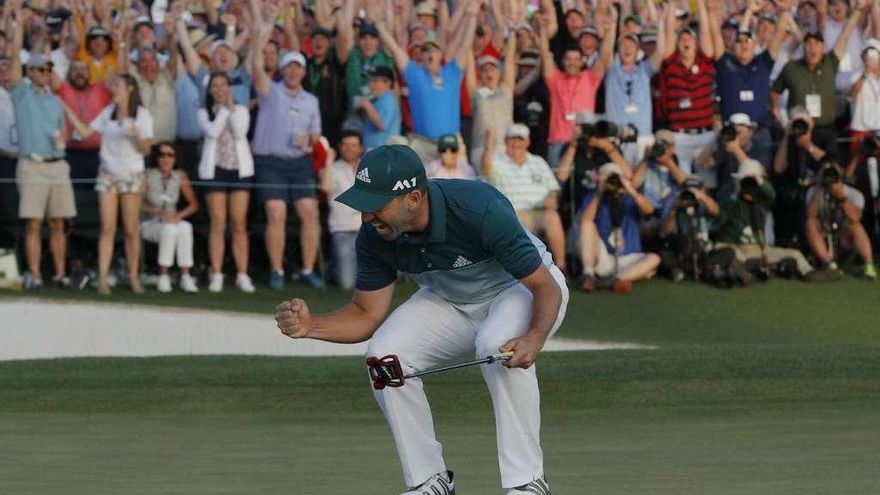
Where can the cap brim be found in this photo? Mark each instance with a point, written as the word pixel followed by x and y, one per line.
pixel 363 201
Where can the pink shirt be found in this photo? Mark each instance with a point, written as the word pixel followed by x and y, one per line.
pixel 569 95
pixel 462 170
pixel 86 105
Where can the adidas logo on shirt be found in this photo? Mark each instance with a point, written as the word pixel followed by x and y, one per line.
pixel 364 175
pixel 461 261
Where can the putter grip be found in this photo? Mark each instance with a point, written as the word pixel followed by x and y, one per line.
pixel 501 356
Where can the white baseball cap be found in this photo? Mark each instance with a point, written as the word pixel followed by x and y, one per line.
pixel 742 119
pixel 610 168
pixel 517 131
pixel 749 168
pixel 291 57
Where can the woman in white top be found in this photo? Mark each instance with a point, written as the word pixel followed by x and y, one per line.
pixel 865 96
pixel 126 130
pixel 228 165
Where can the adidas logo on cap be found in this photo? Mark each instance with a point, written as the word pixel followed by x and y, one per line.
pixel 364 175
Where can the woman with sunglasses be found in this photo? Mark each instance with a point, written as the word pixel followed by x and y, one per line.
pixel 126 129
pixel 228 165
pixel 451 164
pixel 165 225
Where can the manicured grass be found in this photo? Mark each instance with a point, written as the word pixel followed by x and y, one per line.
pixel 656 312
pixel 712 419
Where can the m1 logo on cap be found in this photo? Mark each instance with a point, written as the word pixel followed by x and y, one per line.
pixel 404 184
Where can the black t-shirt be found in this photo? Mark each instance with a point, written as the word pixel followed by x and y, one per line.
pixel 533 110
pixel 326 80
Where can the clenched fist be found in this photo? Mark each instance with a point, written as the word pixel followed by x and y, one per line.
pixel 293 318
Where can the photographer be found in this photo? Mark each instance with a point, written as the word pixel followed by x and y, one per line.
pixel 863 169
pixel 795 166
pixel 684 231
pixel 658 178
pixel 735 145
pixel 610 246
pixel 834 213
pixel 592 145
pixel 744 206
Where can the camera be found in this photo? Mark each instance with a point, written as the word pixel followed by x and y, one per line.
pixel 613 184
pixel 728 132
pixel 686 202
pixel 799 127
pixel 606 129
pixel 829 177
pixel 748 186
pixel 656 151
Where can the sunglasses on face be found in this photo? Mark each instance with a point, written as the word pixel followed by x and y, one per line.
pixel 444 150
pixel 167 153
pixel 42 70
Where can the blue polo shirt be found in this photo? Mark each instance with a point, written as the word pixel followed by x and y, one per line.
pixel 435 102
pixel 187 101
pixel 38 115
pixel 745 88
pixel 629 224
pixel 389 113
pixel 283 117
pixel 475 246
pixel 628 96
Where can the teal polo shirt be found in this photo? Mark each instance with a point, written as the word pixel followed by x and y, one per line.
pixel 475 246
pixel 38 115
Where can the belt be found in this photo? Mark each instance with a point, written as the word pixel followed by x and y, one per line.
pixel 698 130
pixel 44 159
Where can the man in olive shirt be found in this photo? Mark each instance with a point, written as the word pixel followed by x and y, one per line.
pixel 810 80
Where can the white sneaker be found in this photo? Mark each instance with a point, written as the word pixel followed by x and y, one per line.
pixel 216 284
pixel 188 283
pixel 164 284
pixel 439 484
pixel 537 487
pixel 244 283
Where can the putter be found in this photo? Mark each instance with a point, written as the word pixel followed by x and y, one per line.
pixel 387 372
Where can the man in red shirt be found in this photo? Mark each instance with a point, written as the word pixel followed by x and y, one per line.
pixel 686 85
pixel 86 100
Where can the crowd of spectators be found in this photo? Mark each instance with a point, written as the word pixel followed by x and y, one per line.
pixel 705 139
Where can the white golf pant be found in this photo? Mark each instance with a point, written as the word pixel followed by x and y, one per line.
pixel 173 238
pixel 427 330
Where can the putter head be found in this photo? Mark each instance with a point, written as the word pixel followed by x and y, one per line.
pixel 385 371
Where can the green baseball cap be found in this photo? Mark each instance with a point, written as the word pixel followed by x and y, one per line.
pixel 449 141
pixel 383 174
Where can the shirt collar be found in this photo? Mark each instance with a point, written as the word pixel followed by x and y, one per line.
pixel 437 205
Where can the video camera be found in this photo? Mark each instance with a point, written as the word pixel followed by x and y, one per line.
pixel 656 151
pixel 799 127
pixel 606 129
pixel 728 132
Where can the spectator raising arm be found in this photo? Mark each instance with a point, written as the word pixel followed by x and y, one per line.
pixel 785 20
pixel 606 52
pixel 262 83
pixel 190 57
pixel 855 17
pixel 707 46
pixel 401 59
pixel 508 81
pixel 548 65
pixel 715 28
pixel 344 32
pixel 19 21
pixel 669 35
pixel 486 167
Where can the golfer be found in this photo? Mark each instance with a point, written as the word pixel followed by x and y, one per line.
pixel 486 285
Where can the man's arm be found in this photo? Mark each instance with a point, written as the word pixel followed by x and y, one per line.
pixel 344 31
pixel 486 166
pixel 353 323
pixel 715 28
pixel 262 83
pixel 22 18
pixel 546 301
pixel 782 28
pixel 670 39
pixel 190 57
pixel 707 46
pixel 463 50
pixel 548 65
pixel 851 23
pixel 508 82
pixel 644 204
pixel 401 59
pixel 606 51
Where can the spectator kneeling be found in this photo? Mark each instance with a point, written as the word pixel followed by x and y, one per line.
pixel 165 225
pixel 610 245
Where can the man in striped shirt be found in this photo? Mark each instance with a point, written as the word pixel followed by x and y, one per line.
pixel 527 181
pixel 687 84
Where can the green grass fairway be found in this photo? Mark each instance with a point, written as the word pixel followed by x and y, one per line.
pixel 770 390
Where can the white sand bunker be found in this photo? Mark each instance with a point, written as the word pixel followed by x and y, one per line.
pixel 32 329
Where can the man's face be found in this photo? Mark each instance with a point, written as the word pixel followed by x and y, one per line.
pixel 573 62
pixel 148 65
pixel 98 46
pixel 813 51
pixel 379 85
pixel 516 145
pixel 574 22
pixel 270 56
pixel 369 45
pixel 350 148
pixel 838 10
pixel 524 70
pixel 744 49
pixel 744 134
pixel 490 75
pixel 293 75
pixel 766 29
pixel 395 218
pixel 79 75
pixel 728 34
pixel 806 17
pixel 687 44
pixel 320 46
pixel 629 51
pixel 588 44
pixel 429 21
pixel 223 59
pixel 432 57
pixel 144 36
pixel 5 73
pixel 40 75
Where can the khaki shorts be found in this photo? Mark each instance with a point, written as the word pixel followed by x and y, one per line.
pixel 44 189
pixel 605 261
